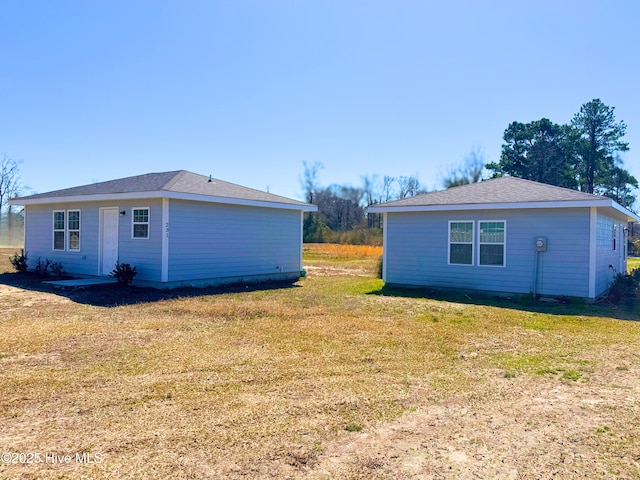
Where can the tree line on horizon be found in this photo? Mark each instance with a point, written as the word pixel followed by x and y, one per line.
pixel 583 155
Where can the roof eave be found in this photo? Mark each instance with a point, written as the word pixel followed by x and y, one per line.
pixel 163 194
pixel 602 203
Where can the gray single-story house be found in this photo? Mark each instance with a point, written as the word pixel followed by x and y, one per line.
pixel 176 228
pixel 506 235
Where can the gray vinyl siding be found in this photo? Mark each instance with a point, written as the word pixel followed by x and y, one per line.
pixel 605 254
pixel 38 241
pixel 217 241
pixel 144 254
pixel 417 245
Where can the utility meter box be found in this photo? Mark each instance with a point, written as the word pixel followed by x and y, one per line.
pixel 541 244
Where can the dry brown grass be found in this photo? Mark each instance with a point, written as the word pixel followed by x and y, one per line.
pixel 338 251
pixel 332 378
pixel 337 259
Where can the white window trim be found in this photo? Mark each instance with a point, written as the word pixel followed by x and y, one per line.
pixel 66 231
pixel 147 223
pixel 472 243
pixel 54 230
pixel 503 243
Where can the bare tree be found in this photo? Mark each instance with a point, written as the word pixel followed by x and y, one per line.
pixel 369 183
pixel 10 182
pixel 309 180
pixel 387 188
pixel 409 187
pixel 470 171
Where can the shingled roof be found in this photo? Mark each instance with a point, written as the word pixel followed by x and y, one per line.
pixel 503 192
pixel 176 184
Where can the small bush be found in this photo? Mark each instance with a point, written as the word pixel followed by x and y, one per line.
pixel 623 287
pixel 43 268
pixel 46 268
pixel 19 261
pixel 57 270
pixel 124 273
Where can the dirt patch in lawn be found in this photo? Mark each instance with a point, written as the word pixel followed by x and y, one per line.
pixel 330 270
pixel 525 429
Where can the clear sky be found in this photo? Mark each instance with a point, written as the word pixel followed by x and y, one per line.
pixel 93 90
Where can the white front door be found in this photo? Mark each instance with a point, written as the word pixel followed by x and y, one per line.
pixel 108 239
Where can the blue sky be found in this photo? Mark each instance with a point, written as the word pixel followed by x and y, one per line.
pixel 248 90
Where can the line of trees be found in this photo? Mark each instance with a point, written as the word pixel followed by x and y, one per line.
pixel 583 155
pixel 341 216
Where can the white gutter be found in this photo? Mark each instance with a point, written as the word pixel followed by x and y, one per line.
pixel 604 203
pixel 163 194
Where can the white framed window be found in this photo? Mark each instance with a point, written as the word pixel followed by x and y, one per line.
pixel 140 222
pixel 66 230
pixel 59 233
pixel 491 243
pixel 461 235
pixel 73 229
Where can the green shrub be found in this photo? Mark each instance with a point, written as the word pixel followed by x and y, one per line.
pixel 43 268
pixel 57 270
pixel 124 273
pixel 623 287
pixel 19 261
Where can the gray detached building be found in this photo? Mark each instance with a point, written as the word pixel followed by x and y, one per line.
pixel 506 235
pixel 175 227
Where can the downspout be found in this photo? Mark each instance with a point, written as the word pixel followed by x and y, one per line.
pixel 24 229
pixel 301 240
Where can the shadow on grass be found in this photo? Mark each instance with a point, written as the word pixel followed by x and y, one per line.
pixel 115 295
pixel 557 305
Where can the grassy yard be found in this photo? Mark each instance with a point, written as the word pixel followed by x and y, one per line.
pixel 331 377
pixel 633 262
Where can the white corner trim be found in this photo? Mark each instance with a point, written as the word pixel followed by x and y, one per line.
pixel 301 239
pixel 593 220
pixel 384 247
pixel 164 266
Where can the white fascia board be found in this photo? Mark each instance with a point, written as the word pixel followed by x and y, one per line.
pixel 491 206
pixel 162 194
pixel 631 217
pixel 87 198
pixel 240 201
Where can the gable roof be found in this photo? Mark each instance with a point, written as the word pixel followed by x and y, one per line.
pixel 179 184
pixel 501 193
